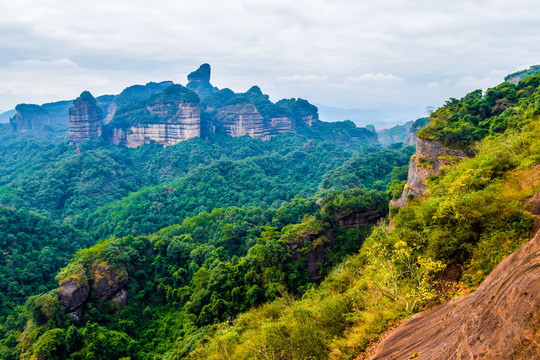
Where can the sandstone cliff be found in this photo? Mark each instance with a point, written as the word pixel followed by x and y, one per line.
pixel 430 157
pixel 28 117
pixel 241 119
pixel 84 119
pixel 167 118
pixel 132 93
pixel 500 320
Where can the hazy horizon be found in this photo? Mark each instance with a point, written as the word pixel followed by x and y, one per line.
pixel 379 57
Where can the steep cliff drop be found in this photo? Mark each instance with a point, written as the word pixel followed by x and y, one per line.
pixel 430 157
pixel 500 320
pixel 241 119
pixel 167 118
pixel 28 117
pixel 84 119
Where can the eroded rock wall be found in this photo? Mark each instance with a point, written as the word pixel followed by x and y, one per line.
pixel 242 119
pixel 429 158
pixel 84 119
pixel 28 117
pixel 181 121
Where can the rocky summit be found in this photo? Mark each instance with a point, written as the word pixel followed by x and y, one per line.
pixel 84 119
pixel 28 117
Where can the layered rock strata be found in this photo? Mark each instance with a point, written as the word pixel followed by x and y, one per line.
pixel 500 320
pixel 242 119
pixel 84 119
pixel 28 117
pixel 135 92
pixel 179 121
pixel 430 157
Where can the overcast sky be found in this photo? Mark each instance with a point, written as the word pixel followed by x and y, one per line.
pixel 396 56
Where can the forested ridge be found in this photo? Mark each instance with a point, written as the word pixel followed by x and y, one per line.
pixel 235 248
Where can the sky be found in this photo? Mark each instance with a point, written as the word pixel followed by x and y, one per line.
pixel 385 59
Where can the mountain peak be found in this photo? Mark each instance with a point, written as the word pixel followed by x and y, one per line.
pixel 202 74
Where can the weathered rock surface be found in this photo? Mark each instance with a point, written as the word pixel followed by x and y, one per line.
pixel 84 119
pixel 108 281
pixel 181 121
pixel 72 296
pixel 129 94
pixel 167 118
pixel 500 320
pixel 28 117
pixel 279 125
pixel 120 300
pixel 241 119
pixel 430 157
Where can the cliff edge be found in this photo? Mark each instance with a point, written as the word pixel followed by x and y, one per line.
pixel 500 320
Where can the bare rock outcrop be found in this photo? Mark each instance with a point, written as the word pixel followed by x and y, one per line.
pixel 104 282
pixel 132 93
pixel 72 296
pixel 108 281
pixel 183 124
pixel 28 117
pixel 430 157
pixel 241 119
pixel 199 81
pixel 84 119
pixel 500 320
pixel 167 118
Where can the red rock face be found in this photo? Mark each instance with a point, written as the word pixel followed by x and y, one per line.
pixel 500 320
pixel 430 157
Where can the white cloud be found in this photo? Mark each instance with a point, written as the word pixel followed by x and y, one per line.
pixel 303 78
pixel 344 53
pixel 46 63
pixel 373 78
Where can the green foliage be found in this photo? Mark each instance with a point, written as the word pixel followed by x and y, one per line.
pixel 34 249
pixel 136 111
pixel 460 123
pixel 372 170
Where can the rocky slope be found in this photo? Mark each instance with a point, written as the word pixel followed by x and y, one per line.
pixel 84 119
pixel 28 117
pixel 498 321
pixel 514 78
pixel 167 118
pixel 430 157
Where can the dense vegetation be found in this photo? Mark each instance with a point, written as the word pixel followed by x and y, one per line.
pixel 204 271
pixel 33 249
pixel 473 218
pixel 136 111
pixel 243 249
pixel 460 123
